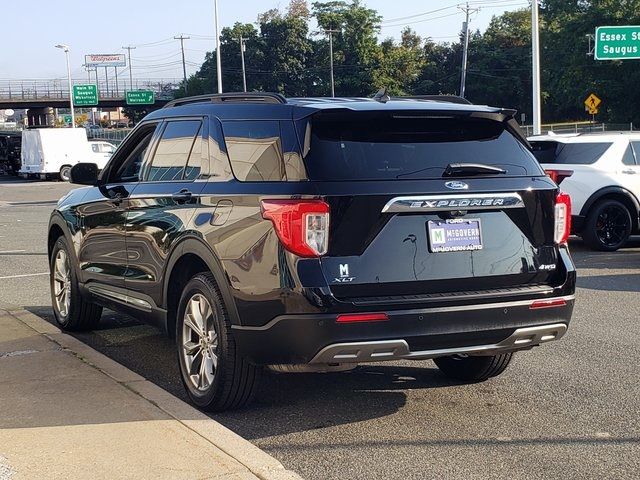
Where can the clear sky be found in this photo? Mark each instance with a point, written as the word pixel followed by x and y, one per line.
pixel 31 28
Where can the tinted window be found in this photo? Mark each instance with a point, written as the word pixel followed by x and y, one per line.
pixel 172 153
pixel 636 151
pixel 569 153
pixel 408 147
pixel 127 163
pixel 255 150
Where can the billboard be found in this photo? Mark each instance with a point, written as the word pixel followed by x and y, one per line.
pixel 105 60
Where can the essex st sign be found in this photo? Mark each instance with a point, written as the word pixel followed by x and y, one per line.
pixel 617 43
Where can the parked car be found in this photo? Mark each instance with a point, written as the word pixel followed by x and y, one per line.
pixel 316 234
pixel 601 174
pixel 102 151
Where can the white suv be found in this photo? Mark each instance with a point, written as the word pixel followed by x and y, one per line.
pixel 601 174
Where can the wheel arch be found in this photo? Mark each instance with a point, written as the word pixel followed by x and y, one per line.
pixel 620 194
pixel 191 256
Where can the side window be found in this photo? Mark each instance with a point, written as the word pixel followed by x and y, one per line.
pixel 128 159
pixel 628 158
pixel 194 164
pixel 218 158
pixel 95 148
pixel 255 150
pixel 635 146
pixel 173 152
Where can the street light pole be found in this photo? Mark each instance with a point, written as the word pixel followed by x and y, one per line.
pixel 330 33
pixel 73 112
pixel 218 59
pixel 535 54
pixel 244 73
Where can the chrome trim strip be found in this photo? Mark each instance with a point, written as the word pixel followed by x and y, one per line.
pixel 453 308
pixel 445 203
pixel 375 351
pixel 120 297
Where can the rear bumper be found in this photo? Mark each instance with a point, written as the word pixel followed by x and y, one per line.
pixel 482 328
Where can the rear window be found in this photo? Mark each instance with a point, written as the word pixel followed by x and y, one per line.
pixel 569 153
pixel 408 147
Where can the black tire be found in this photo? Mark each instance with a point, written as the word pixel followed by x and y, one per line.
pixel 80 313
pixel 65 173
pixel 608 226
pixel 472 368
pixel 234 379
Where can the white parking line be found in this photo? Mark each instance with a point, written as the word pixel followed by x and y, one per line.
pixel 4 252
pixel 24 275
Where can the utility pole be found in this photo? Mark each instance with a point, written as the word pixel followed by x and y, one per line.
pixel 535 55
pixel 128 49
pixel 218 59
pixel 244 72
pixel 330 33
pixel 465 50
pixel 182 38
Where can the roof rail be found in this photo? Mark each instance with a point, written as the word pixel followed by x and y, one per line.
pixel 231 97
pixel 436 98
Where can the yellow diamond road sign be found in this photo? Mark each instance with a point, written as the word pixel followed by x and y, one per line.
pixel 592 102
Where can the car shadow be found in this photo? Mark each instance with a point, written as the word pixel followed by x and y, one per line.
pixel 627 257
pixel 283 401
pixel 611 283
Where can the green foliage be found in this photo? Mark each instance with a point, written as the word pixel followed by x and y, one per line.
pixel 283 55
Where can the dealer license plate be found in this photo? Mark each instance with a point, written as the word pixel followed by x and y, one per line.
pixel 455 235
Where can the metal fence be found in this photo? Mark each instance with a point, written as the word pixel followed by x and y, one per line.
pixel 581 127
pixel 112 135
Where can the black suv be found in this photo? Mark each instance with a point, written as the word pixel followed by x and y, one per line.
pixel 314 234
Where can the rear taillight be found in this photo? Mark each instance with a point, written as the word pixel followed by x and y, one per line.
pixel 562 218
pixel 301 225
pixel 558 175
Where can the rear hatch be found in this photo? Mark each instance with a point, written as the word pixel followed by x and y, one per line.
pixel 430 206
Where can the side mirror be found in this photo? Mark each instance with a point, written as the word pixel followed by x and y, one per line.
pixel 84 174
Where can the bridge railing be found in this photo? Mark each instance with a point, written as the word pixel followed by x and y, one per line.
pixel 37 89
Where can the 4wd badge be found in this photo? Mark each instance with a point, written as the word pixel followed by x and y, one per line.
pixel 343 272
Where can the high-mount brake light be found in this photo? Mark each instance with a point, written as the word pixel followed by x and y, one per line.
pixel 362 317
pixel 301 225
pixel 562 228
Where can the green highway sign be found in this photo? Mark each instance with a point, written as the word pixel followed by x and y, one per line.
pixel 66 119
pixel 617 43
pixel 85 95
pixel 141 97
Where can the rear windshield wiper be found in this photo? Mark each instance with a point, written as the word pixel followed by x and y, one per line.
pixel 469 169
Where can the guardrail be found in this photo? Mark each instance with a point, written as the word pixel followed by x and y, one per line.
pixel 113 135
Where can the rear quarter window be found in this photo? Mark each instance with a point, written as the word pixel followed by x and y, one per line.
pixel 387 146
pixel 569 153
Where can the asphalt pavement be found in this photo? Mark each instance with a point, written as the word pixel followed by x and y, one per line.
pixel 569 409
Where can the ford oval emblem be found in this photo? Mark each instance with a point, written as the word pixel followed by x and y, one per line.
pixel 456 185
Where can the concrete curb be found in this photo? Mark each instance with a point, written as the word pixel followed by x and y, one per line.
pixel 258 462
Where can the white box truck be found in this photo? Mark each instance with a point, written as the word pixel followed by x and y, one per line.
pixel 51 152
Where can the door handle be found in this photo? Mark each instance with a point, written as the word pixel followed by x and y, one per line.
pixel 629 172
pixel 182 196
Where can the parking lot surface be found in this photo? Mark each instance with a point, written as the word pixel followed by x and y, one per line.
pixel 564 410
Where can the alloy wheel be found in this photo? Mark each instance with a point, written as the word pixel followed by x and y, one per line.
pixel 200 346
pixel 612 226
pixel 62 283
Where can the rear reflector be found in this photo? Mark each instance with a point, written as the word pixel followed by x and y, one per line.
pixel 556 302
pixel 362 317
pixel 562 218
pixel 301 225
